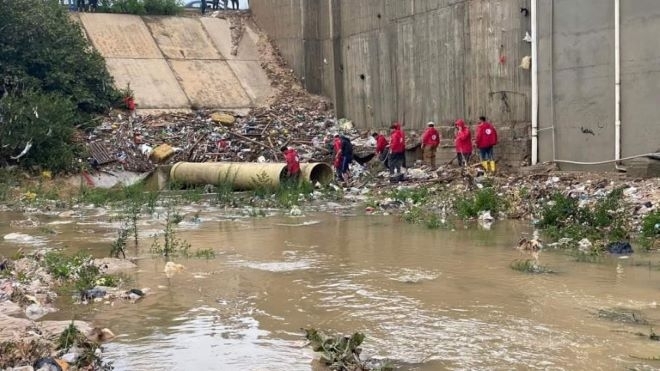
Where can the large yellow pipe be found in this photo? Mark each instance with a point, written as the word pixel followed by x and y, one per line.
pixel 245 175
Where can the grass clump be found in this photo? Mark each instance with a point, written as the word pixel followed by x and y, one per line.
pixel 341 352
pixel 414 196
pixel 430 219
pixel 650 232
pixel 77 271
pixel 485 199
pixel 205 253
pixel 171 244
pixel 604 221
pixel 529 266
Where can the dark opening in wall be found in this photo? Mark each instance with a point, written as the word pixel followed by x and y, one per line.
pixel 362 76
pixel 379 16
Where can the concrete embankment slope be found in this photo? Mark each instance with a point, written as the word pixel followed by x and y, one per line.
pixel 179 62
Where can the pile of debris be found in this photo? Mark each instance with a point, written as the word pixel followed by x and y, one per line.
pixel 292 116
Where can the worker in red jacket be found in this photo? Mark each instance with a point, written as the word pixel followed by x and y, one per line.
pixel 430 142
pixel 336 146
pixel 381 148
pixel 486 140
pixel 129 102
pixel 397 152
pixel 463 143
pixel 381 143
pixel 292 162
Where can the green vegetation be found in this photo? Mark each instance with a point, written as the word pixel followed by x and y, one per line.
pixel 650 233
pixel 53 81
pixel 529 266
pixel 77 271
pixel 141 7
pixel 205 253
pixel 605 221
pixel 72 337
pixel 171 244
pixel 341 353
pixel 413 196
pixel 430 219
pixel 485 199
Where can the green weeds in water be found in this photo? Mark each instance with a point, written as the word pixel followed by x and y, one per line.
pixel 290 194
pixel 261 185
pixel 136 194
pixel 119 245
pixel 593 256
pixel 529 266
pixel 342 352
pixel 430 219
pixel 205 253
pixel 254 212
pixel 171 244
pixel 225 189
pixel 485 199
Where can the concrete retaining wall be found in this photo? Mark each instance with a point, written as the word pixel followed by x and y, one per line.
pixel 576 65
pixel 410 60
pixel 179 62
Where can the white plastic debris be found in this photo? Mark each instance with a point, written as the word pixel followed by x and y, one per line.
pixel 295 211
pixel 585 245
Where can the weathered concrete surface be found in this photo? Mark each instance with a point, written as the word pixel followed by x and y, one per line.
pixel 210 84
pixel 180 62
pixel 219 31
pixel 414 60
pixel 120 36
pixel 182 38
pixel 254 80
pixel 152 80
pixel 576 82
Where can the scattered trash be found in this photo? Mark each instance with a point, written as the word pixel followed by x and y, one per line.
pixel 585 245
pixel 171 268
pixel 619 248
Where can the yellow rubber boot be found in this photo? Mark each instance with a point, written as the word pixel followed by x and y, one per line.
pixel 484 164
pixel 492 166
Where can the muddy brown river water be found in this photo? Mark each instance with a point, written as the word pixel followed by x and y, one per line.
pixel 429 299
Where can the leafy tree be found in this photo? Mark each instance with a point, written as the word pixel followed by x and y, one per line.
pixel 51 80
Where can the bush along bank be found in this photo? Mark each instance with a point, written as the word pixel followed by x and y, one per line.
pixel 141 7
pixel 53 82
pixel 28 287
pixel 585 214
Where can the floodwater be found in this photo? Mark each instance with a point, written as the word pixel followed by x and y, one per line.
pixel 428 299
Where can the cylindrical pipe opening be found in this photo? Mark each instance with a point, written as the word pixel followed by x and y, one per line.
pixel 320 173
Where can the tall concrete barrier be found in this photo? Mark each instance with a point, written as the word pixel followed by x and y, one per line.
pixel 179 62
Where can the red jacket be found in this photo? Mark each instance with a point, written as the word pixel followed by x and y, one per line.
pixel 336 145
pixel 431 137
pixel 292 161
pixel 463 141
pixel 486 135
pixel 397 140
pixel 130 103
pixel 381 144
